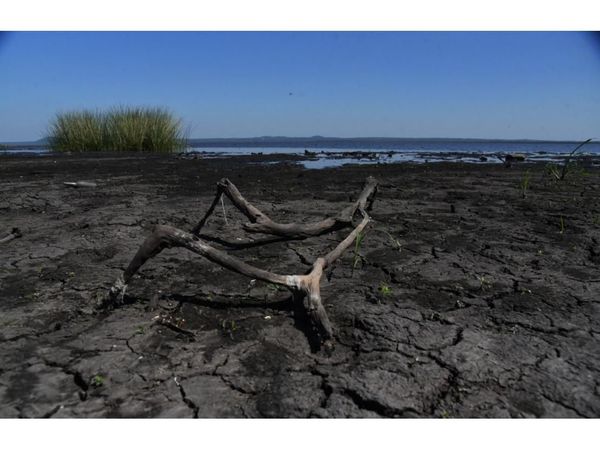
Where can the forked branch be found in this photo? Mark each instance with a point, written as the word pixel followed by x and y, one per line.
pixel 305 288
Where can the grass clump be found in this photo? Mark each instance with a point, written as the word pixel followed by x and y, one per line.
pixel 229 327
pixel 562 225
pixel 524 184
pixel 559 173
pixel 118 129
pixel 385 290
pixel 358 258
pixel 97 380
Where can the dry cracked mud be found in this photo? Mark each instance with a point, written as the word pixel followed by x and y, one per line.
pixel 465 299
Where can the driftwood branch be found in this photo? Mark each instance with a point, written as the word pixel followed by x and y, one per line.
pixel 15 233
pixel 240 244
pixel 261 223
pixel 305 288
pixel 78 184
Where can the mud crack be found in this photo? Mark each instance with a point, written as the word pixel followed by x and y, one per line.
pixel 189 403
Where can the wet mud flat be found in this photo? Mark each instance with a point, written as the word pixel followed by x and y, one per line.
pixel 464 300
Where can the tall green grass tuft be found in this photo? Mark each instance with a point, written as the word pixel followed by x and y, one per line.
pixel 119 129
pixel 559 174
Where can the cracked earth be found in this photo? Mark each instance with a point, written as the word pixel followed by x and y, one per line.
pixel 465 299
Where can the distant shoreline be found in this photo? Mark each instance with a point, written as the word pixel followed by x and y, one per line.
pixel 317 159
pixel 321 152
pixel 285 141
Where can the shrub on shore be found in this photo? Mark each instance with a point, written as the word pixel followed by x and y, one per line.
pixel 119 129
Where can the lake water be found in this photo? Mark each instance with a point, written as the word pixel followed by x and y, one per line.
pixel 331 153
pixel 324 152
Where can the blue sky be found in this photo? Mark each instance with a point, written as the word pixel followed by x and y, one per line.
pixel 536 85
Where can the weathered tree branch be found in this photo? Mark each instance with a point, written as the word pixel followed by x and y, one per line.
pixel 261 223
pixel 240 244
pixel 305 288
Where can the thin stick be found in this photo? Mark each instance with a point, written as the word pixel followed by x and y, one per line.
pixel 224 212
pixel 14 234
pixel 209 211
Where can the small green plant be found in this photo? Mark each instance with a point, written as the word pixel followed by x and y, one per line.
pixel 562 225
pixel 274 287
pixel 97 380
pixel 553 171
pixel 358 258
pixel 385 290
pixel 229 327
pixel 559 173
pixel 140 330
pixel 484 283
pixel 524 184
pixel 395 242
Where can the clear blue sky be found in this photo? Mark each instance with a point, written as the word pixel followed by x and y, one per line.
pixel 491 85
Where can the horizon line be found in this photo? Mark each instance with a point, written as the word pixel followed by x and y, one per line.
pixel 320 137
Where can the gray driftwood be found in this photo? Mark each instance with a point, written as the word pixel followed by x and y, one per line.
pixel 78 184
pixel 305 288
pixel 14 234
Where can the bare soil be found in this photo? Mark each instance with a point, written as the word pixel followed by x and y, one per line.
pixel 466 299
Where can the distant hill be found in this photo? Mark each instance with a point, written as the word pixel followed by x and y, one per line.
pixel 334 142
pixel 26 144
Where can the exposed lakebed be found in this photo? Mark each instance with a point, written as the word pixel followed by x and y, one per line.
pixel 471 301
